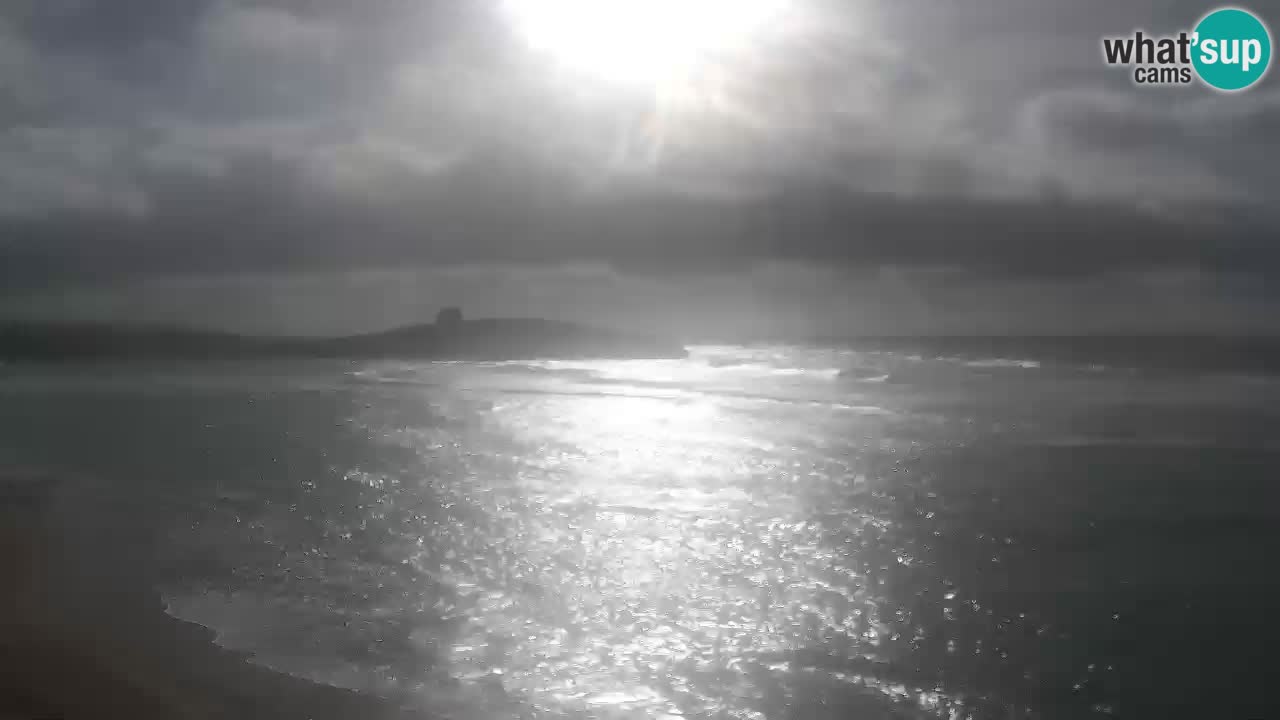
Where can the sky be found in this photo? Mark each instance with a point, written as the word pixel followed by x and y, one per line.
pixel 830 167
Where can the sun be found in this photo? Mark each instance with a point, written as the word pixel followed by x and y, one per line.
pixel 645 43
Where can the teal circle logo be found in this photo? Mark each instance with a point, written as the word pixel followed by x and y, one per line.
pixel 1231 49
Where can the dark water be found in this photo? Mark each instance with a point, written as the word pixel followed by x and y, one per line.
pixel 744 534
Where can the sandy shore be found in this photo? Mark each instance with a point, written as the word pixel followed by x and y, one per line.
pixel 69 652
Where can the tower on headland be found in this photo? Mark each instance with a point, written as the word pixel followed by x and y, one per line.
pixel 449 319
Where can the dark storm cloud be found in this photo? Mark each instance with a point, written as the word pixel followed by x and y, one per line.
pixel 148 138
pixel 262 214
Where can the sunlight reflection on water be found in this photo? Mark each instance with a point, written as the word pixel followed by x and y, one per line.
pixel 661 555
pixel 745 534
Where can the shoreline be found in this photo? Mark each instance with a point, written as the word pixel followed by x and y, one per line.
pixel 71 651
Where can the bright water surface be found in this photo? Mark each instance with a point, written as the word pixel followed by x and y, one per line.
pixel 743 534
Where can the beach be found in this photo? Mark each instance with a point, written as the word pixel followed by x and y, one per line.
pixel 70 652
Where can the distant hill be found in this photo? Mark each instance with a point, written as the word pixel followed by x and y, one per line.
pixel 490 339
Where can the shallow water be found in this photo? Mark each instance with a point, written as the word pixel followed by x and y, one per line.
pixel 744 534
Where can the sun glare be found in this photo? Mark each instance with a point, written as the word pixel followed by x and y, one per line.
pixel 641 42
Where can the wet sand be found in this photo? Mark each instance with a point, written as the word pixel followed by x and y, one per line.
pixel 69 652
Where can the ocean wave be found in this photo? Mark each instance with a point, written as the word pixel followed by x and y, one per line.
pixel 674 391
pixel 865 374
pixel 686 397
pixel 773 360
pixel 1002 363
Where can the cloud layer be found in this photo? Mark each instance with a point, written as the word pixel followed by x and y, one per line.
pixel 151 138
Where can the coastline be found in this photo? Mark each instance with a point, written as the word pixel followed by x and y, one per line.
pixel 485 339
pixel 69 652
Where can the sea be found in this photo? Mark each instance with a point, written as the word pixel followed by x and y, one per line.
pixel 757 532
